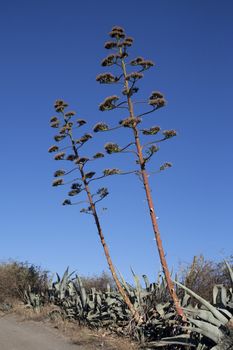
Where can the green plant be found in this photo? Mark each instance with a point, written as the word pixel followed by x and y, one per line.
pixel 67 127
pixel 119 57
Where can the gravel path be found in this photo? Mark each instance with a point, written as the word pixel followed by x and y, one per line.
pixel 27 335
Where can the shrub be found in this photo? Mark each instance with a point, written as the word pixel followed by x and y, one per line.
pixel 202 275
pixel 16 277
pixel 98 282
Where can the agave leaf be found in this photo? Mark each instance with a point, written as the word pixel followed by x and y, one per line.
pixel 223 294
pixel 162 343
pixel 215 294
pixel 169 315
pixel 110 301
pixel 58 278
pixel 146 281
pixel 204 315
pixel 108 288
pixel 160 308
pixel 82 291
pixel 154 321
pixel 138 287
pixel 50 282
pixel 217 347
pixel 98 299
pixel 124 283
pixel 207 329
pixel 210 307
pixel 225 344
pixel 226 312
pixel 185 299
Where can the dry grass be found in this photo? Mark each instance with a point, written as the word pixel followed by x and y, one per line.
pixel 95 340
pixel 43 314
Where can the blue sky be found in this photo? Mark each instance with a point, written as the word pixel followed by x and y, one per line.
pixel 53 49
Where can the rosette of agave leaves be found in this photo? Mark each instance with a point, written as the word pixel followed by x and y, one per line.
pixel 209 327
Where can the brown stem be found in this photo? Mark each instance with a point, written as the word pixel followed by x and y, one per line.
pixel 121 290
pixel 144 174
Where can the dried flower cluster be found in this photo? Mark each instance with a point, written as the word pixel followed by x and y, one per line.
pixel 109 103
pixel 127 42
pixel 84 138
pixel 106 78
pixel 134 76
pixel 60 105
pixel 58 182
pixel 157 100
pixel 102 192
pixel 54 123
pixel 111 148
pixel 69 114
pixel 169 133
pixel 152 131
pixel 59 156
pixel 117 33
pixel 76 188
pixel 100 127
pixel 59 172
pixel 165 166
pixel 110 45
pixel 140 61
pixel 114 171
pixel 81 122
pixel 129 122
pixel 89 175
pixel 66 202
pixel 98 155
pixel 109 60
pixel 81 160
pixel 53 148
pixel 59 138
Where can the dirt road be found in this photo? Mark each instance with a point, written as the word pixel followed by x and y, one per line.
pixel 16 335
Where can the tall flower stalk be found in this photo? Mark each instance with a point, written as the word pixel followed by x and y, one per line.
pixel 119 46
pixel 64 122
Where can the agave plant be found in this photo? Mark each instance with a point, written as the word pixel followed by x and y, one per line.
pixel 209 327
pixel 143 150
pixel 67 129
